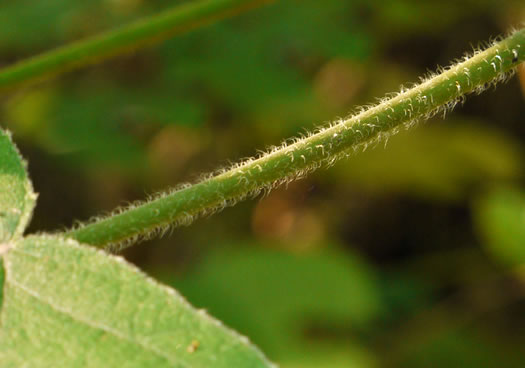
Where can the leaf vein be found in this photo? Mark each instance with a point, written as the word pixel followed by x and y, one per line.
pixel 94 324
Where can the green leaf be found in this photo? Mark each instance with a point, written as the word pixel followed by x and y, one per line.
pixel 278 296
pixel 2 278
pixel 500 220
pixel 67 303
pixel 436 162
pixel 16 192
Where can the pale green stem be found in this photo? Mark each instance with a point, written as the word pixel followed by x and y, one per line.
pixel 180 19
pixel 290 161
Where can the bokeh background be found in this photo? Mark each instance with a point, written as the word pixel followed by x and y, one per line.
pixel 408 255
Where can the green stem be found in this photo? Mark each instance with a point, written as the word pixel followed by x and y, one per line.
pixel 180 19
pixel 438 93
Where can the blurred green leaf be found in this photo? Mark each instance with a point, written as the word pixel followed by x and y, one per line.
pixel 332 354
pixel 500 221
pixel 242 66
pixel 435 162
pixel 27 24
pixel 275 297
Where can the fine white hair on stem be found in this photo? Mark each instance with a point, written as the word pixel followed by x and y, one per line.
pixel 436 94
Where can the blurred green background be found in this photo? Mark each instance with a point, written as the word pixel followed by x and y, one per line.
pixel 409 255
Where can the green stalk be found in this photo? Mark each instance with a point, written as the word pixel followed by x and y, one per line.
pixel 180 19
pixel 438 93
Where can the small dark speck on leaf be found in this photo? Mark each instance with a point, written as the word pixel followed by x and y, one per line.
pixel 193 346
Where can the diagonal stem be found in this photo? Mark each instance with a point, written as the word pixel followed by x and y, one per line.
pixel 439 93
pixel 180 19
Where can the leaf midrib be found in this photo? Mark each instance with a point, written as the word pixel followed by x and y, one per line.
pixel 9 281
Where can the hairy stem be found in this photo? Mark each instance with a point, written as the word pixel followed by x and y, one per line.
pixel 180 19
pixel 438 93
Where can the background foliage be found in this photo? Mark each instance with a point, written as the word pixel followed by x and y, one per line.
pixel 403 256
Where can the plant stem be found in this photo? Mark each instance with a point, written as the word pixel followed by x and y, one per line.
pixel 180 19
pixel 438 93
